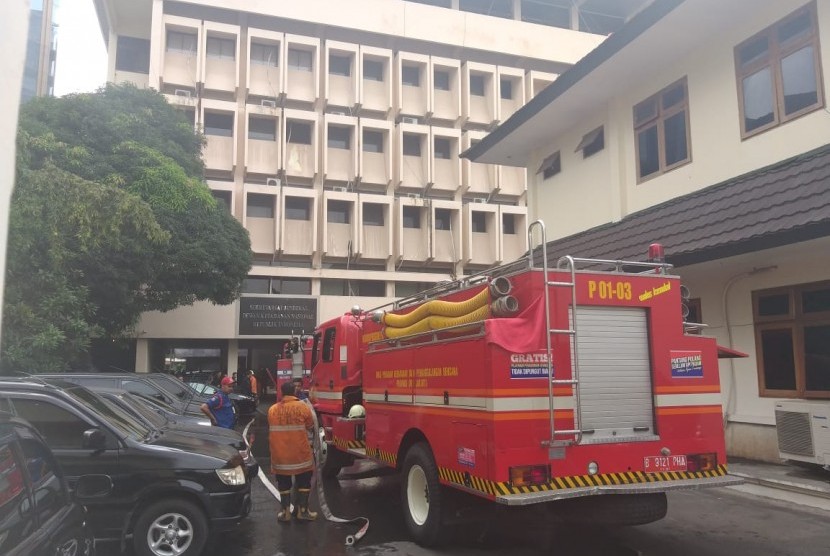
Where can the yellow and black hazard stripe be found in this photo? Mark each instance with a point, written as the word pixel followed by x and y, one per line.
pixel 494 488
pixel 345 444
pixel 385 457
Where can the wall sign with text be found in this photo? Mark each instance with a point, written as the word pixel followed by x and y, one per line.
pixel 276 316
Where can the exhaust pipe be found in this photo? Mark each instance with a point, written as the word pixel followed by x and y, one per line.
pixel 505 306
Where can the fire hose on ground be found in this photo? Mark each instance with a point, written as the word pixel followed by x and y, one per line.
pixel 317 447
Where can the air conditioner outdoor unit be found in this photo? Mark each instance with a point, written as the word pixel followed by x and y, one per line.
pixel 803 429
pixel 337 113
pixel 413 195
pixel 339 189
pixel 479 200
pixel 182 93
pixel 272 181
pixel 409 120
pixel 267 103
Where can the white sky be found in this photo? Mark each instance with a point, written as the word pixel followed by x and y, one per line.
pixel 81 64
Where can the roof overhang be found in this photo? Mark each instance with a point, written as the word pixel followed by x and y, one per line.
pixel 661 34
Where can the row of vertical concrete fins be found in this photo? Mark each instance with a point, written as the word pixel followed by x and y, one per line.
pixel 346 151
pixel 306 72
pixel 377 228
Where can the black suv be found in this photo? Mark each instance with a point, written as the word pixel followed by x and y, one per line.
pixel 169 490
pixel 37 516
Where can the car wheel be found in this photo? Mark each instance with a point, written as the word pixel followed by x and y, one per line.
pixel 74 543
pixel 170 528
pixel 421 495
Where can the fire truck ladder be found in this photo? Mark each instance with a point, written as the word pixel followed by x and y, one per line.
pixel 553 443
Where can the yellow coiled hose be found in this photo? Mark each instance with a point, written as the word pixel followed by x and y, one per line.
pixel 436 307
pixel 438 322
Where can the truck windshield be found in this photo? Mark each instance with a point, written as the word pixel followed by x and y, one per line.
pixel 125 424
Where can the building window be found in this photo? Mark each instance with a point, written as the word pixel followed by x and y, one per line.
pixel 183 43
pixel 223 198
pixel 265 54
pixel 779 73
pixel 443 219
pixel 411 217
pixel 219 123
pixel 297 208
pixel 291 286
pixel 362 288
pixel 338 212
pixel 411 144
pixel 661 129
pixel 479 222
pixel 340 65
pixel 372 214
pixel 259 206
pixel 792 337
pixel 262 129
pixel 298 133
pixel 508 224
pixel 592 142
pixel 442 147
pixel 256 284
pixel 373 70
pixel 221 48
pixel 496 8
pixel 372 141
pixel 299 60
pixel 132 55
pixel 439 3
pixel 339 137
pixel 407 289
pixel 551 166
pixel 411 76
pixel 694 315
pixel 441 80
pixel 506 89
pixel 477 84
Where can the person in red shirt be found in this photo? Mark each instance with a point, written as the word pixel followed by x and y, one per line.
pixel 291 457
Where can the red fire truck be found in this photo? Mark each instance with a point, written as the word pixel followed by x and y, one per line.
pixel 576 386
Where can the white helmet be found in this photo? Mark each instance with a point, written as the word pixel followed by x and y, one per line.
pixel 357 412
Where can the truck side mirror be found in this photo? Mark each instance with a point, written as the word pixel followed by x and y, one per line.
pixel 93 486
pixel 94 439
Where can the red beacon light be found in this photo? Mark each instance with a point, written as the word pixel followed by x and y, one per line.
pixel 656 253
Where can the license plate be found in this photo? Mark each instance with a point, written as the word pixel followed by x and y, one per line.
pixel 664 463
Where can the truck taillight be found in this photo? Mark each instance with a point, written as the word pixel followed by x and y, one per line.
pixel 529 475
pixel 702 462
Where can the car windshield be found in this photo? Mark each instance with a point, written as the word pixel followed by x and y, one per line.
pixel 205 389
pixel 172 385
pixel 140 406
pixel 115 416
pixel 154 402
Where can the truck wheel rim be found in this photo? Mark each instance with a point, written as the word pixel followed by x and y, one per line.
pixel 68 548
pixel 417 494
pixel 170 534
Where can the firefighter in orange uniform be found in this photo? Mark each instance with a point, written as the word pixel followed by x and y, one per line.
pixel 254 386
pixel 288 421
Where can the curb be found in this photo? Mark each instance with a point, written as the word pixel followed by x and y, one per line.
pixel 783 485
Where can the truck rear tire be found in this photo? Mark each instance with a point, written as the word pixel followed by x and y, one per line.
pixel 421 495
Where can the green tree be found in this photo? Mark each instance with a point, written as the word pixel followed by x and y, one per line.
pixel 110 217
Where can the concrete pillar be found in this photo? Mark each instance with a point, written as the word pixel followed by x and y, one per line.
pixel 142 355
pixel 233 356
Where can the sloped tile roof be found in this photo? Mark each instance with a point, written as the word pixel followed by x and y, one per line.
pixel 780 204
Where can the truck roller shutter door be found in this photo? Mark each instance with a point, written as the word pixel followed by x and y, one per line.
pixel 615 374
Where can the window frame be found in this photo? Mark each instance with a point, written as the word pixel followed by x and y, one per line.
pixel 222 43
pixel 795 320
pixel 776 53
pixel 658 120
pixel 373 134
pixel 335 64
pixel 474 91
pixel 444 83
pixel 593 141
pixel 373 75
pixel 343 136
pixel 260 205
pixel 299 57
pixel 257 54
pixel 407 75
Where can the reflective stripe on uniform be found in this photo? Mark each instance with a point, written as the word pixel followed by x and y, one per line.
pixel 278 467
pixel 277 428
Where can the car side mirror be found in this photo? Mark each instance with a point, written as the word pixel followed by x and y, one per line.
pixel 93 486
pixel 94 439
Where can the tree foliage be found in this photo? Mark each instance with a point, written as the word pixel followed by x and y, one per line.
pixel 110 217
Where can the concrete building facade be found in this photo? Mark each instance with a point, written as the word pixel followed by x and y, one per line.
pixel 333 134
pixel 713 140
pixel 39 71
